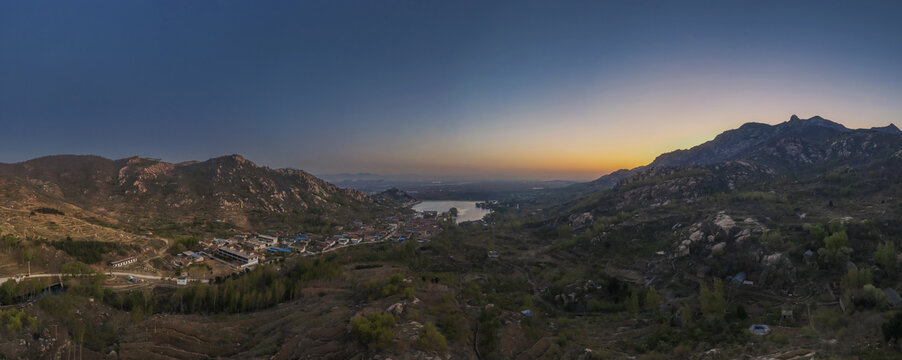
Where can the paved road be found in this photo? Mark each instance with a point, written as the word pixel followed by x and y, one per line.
pixel 114 273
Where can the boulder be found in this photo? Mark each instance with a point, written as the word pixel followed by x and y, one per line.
pixel 395 309
pixel 696 236
pixel 724 221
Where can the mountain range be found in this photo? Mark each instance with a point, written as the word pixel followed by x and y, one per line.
pixel 148 193
pixel 793 145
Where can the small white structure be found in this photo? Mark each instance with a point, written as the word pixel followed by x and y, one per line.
pixel 124 262
pixel 181 281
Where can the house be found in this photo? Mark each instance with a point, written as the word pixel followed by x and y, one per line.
pixel 181 281
pixel 786 314
pixel 270 240
pixel 244 259
pixel 893 297
pixel 738 278
pixel 299 246
pixel 124 262
pixel 257 245
pixel 809 258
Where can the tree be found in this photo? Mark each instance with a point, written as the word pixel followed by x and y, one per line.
pixel 686 314
pixel 712 301
pixel 892 329
pixel 741 313
pixel 836 248
pixel 772 239
pixel 856 279
pixel 78 329
pixel 632 303
pixel 10 241
pixel 652 299
pixel 75 268
pixel 564 232
pixel 452 211
pixel 886 256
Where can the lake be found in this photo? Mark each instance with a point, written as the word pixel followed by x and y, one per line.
pixel 466 210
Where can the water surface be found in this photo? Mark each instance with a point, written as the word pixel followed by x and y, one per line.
pixel 466 210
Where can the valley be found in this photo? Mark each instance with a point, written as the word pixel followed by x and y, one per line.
pixel 795 234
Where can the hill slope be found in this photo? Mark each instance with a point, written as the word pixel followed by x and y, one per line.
pixel 778 148
pixel 146 193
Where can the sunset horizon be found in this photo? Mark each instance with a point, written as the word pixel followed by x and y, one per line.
pixel 538 91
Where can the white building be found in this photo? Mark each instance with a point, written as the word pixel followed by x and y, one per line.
pixel 124 262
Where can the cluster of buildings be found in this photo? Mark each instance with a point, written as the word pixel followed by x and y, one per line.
pixel 187 258
pixel 244 250
pixel 420 227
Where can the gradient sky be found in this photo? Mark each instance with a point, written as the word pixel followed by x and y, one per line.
pixel 498 89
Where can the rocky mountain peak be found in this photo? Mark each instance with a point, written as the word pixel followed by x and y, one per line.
pixel 811 123
pixel 889 129
pixel 149 192
pixel 784 145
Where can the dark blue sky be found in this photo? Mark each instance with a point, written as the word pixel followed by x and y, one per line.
pixel 496 89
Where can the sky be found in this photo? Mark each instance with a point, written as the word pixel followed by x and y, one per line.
pixel 487 89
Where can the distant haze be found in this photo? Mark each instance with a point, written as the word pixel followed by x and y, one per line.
pixel 469 89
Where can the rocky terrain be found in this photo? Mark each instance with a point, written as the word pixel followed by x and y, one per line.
pixel 796 145
pixel 141 193
pixel 793 226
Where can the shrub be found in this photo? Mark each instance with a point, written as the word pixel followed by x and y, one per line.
pixel 75 268
pixel 376 330
pixel 892 329
pixel 652 299
pixel 13 320
pixel 47 210
pixel 86 251
pixel 432 339
pixel 886 256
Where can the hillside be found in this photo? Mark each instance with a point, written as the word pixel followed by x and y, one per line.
pixel 805 214
pixel 797 144
pixel 793 226
pixel 137 193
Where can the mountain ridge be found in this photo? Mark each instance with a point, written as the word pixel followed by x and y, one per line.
pixel 147 192
pixel 809 140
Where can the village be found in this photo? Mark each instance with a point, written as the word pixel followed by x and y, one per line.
pixel 220 256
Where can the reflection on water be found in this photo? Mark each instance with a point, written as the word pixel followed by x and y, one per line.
pixel 466 210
